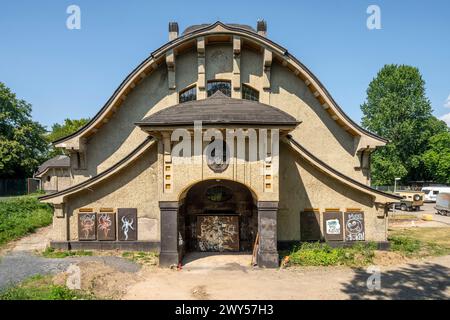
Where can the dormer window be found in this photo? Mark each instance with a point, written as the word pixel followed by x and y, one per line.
pixel 219 85
pixel 188 94
pixel 249 93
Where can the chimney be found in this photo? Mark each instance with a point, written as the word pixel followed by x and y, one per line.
pixel 173 30
pixel 261 27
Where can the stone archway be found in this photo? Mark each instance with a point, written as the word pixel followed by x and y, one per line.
pixel 219 216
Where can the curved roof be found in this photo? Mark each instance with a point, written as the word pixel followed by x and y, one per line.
pixel 219 109
pixel 205 30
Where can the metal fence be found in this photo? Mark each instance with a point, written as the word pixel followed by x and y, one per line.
pixel 18 187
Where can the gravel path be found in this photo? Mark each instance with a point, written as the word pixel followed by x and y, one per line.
pixel 19 265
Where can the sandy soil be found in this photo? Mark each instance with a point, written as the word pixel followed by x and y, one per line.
pixel 215 277
pixel 211 276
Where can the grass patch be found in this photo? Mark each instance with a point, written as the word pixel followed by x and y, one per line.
pixel 143 258
pixel 22 215
pixel 403 217
pixel 321 254
pixel 53 253
pixel 42 288
pixel 420 242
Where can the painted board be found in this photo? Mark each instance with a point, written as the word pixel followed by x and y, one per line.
pixel 106 226
pixel 310 225
pixel 127 222
pixel 87 226
pixel 218 233
pixel 332 226
pixel 354 226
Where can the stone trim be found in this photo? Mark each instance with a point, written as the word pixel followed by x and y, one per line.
pixel 106 245
pixel 267 227
pixel 169 254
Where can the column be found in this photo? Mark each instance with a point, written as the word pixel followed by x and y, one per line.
pixel 267 228
pixel 169 233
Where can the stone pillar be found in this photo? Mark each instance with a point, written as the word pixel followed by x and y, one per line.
pixel 169 233
pixel 267 228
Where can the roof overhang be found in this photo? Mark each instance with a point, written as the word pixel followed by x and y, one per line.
pixel 75 141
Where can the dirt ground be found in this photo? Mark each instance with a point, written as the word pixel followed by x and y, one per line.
pixel 230 276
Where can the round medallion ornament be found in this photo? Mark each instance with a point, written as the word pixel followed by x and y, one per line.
pixel 217 162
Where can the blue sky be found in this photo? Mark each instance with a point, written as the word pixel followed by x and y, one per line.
pixel 72 73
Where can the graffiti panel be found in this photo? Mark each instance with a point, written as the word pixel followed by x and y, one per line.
pixel 218 233
pixel 354 226
pixel 332 226
pixel 127 221
pixel 86 226
pixel 106 226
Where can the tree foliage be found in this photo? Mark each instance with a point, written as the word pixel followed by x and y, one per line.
pixel 22 142
pixel 59 131
pixel 397 108
pixel 68 127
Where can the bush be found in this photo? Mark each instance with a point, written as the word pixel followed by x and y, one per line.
pixel 22 215
pixel 42 288
pixel 405 245
pixel 321 254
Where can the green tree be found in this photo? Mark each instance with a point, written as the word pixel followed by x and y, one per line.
pixel 59 131
pixel 436 159
pixel 68 127
pixel 397 108
pixel 22 142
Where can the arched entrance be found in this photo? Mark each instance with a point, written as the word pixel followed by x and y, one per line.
pixel 218 216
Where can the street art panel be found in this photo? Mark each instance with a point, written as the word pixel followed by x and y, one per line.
pixel 127 222
pixel 332 226
pixel 106 226
pixel 87 226
pixel 218 233
pixel 354 226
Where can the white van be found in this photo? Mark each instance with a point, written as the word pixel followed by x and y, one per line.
pixel 432 192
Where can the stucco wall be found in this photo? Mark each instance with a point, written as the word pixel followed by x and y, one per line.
pixel 60 179
pixel 303 186
pixel 134 187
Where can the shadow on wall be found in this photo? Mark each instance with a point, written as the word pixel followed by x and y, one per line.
pixel 282 79
pixel 115 183
pixel 114 133
pixel 424 281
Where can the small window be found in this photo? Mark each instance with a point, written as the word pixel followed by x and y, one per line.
pixel 219 194
pixel 223 86
pixel 188 94
pixel 436 192
pixel 249 93
pixel 48 178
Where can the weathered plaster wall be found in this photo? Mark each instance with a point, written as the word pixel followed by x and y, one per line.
pixel 134 187
pixel 60 179
pixel 303 186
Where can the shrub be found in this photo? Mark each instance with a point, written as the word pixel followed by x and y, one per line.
pixel 22 215
pixel 405 245
pixel 42 288
pixel 321 254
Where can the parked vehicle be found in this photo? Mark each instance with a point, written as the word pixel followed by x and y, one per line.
pixel 443 203
pixel 412 200
pixel 431 193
